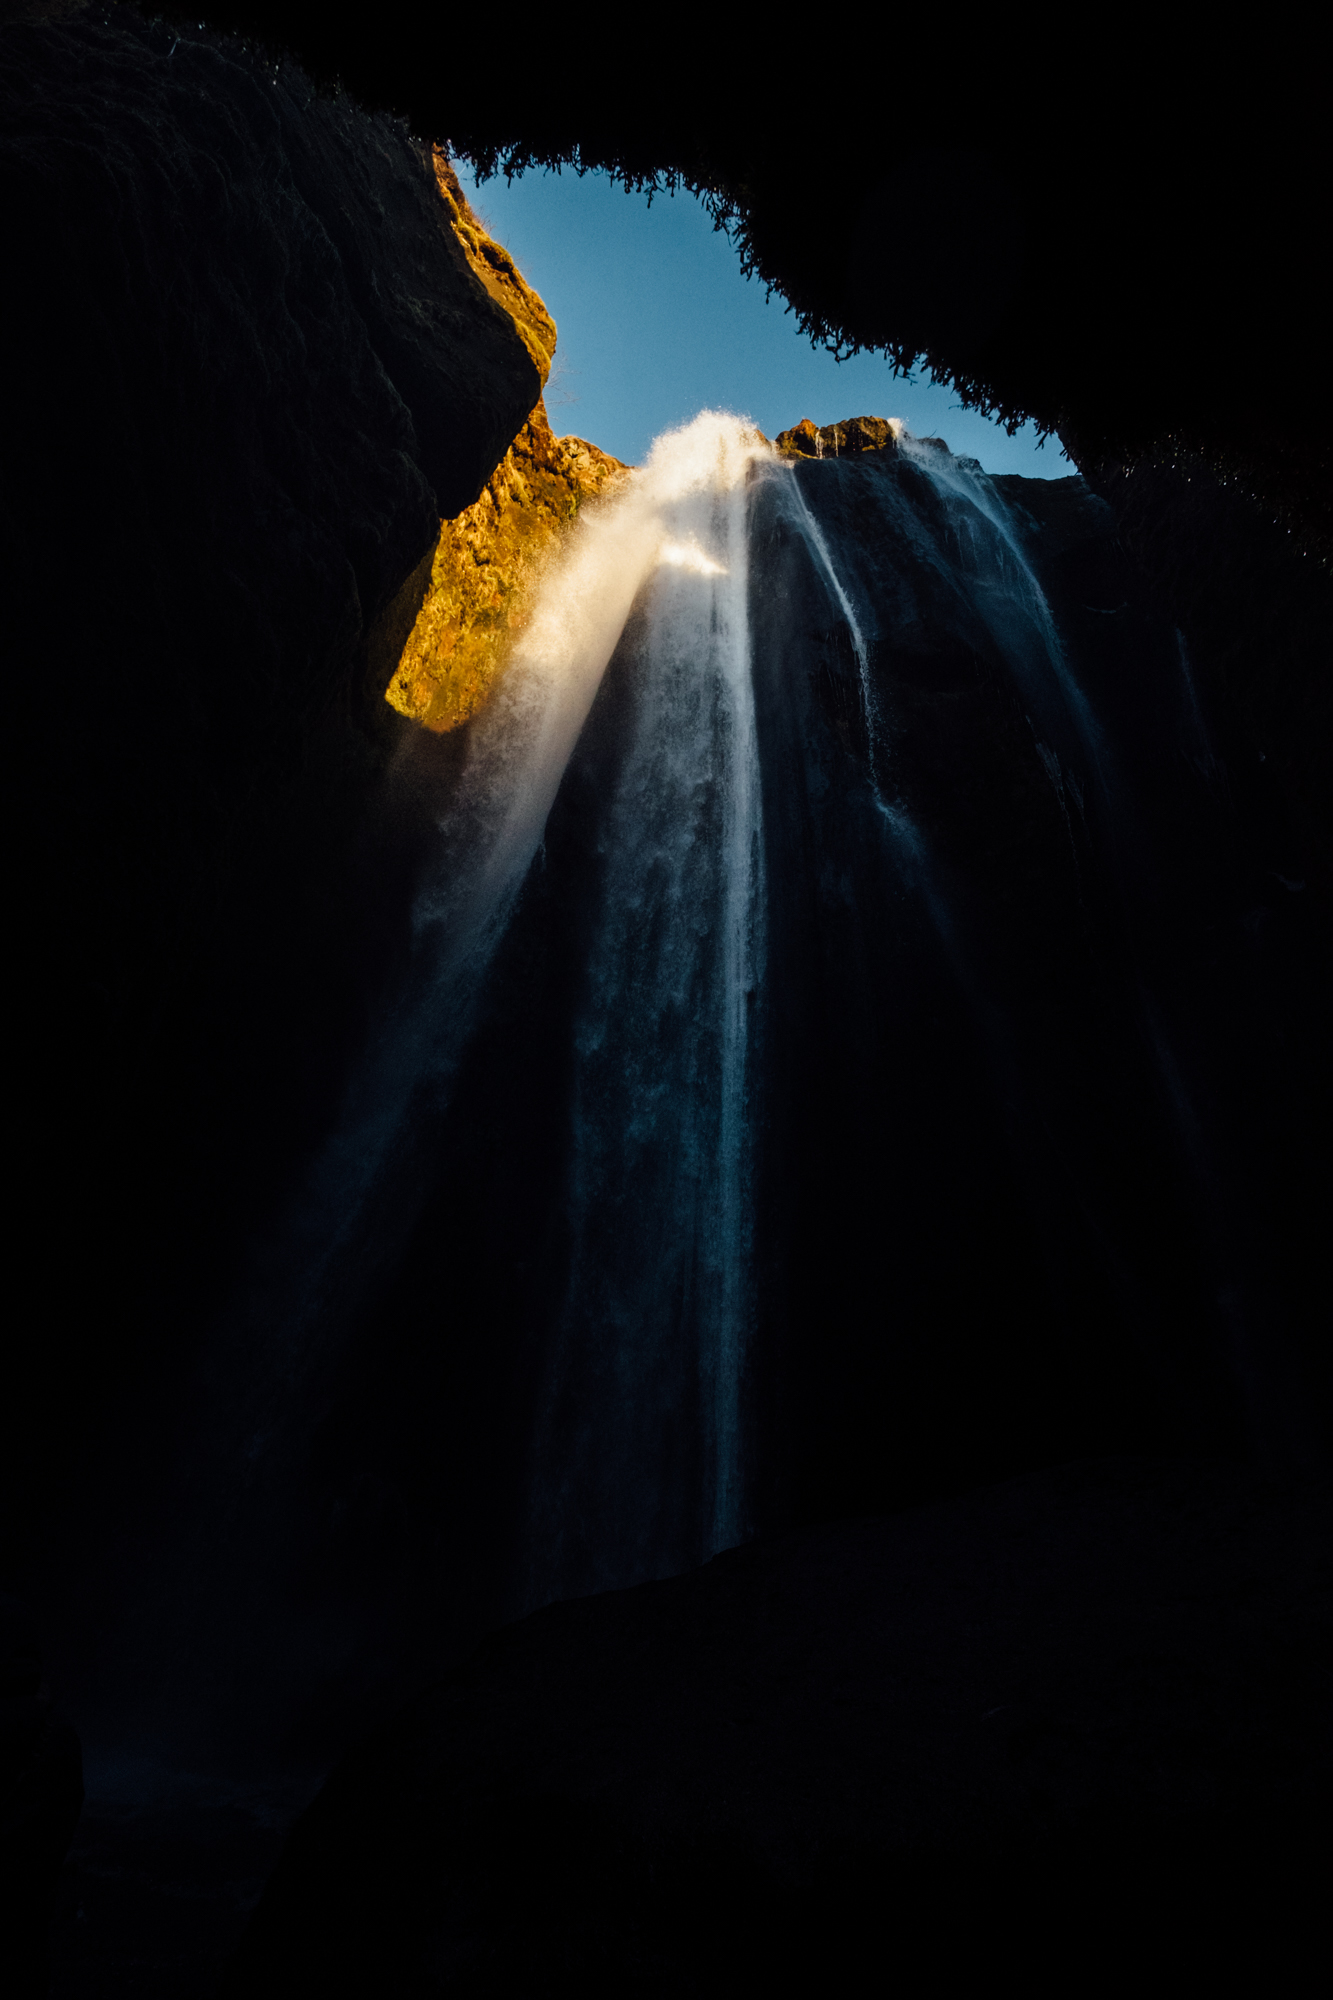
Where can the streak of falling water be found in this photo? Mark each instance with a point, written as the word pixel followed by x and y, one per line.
pixel 814 536
pixel 989 551
pixel 639 1456
pixel 907 843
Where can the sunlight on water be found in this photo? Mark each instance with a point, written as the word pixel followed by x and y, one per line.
pixel 682 556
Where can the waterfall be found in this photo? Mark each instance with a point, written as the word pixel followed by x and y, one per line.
pixel 814 535
pixel 639 1466
pixel 360 1196
pixel 774 1121
pixel 648 1348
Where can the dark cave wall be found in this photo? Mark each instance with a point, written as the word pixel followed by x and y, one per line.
pixel 1253 614
pixel 1256 614
pixel 250 369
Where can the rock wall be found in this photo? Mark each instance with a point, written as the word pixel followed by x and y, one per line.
pixel 1252 615
pixel 483 569
pixel 252 365
pixel 854 435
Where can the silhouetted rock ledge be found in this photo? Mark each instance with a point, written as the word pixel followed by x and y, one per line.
pixel 1047 1726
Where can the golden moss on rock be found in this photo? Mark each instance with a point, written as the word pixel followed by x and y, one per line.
pixel 844 440
pixel 484 565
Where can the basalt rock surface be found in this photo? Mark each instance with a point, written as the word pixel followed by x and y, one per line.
pixel 253 364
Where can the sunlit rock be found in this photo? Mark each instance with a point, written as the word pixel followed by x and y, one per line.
pixel 483 566
pixel 497 270
pixel 843 440
pixel 454 639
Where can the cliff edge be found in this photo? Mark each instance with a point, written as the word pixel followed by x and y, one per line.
pixel 443 642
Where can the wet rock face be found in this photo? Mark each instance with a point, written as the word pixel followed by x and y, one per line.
pixel 959 1079
pixel 251 366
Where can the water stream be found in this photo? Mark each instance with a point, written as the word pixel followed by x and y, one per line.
pixel 639 1442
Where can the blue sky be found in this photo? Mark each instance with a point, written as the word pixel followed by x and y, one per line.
pixel 656 323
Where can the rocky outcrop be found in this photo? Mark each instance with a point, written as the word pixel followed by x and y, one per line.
pixel 483 570
pixel 844 440
pixel 496 269
pixel 1053 1725
pixel 442 643
pixel 253 365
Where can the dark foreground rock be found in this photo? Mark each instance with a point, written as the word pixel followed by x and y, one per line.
pixel 162 1874
pixel 41 1791
pixel 1074 1726
pixel 250 366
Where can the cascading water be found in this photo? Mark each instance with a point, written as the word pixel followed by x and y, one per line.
pixel 765 1130
pixel 651 1334
pixel 639 1467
